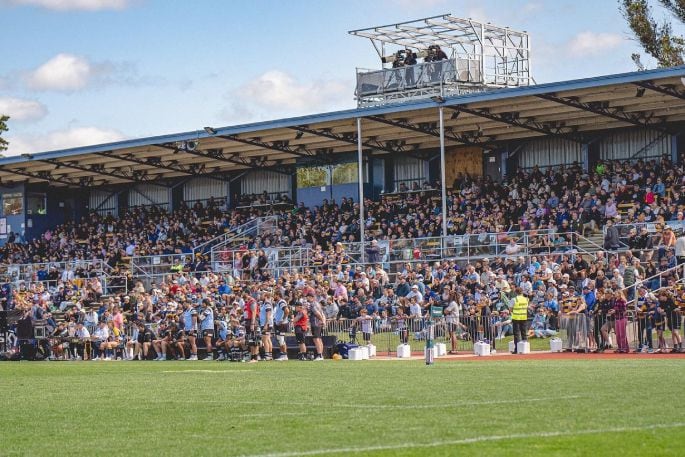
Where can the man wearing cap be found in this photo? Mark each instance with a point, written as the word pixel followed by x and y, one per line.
pixel 415 293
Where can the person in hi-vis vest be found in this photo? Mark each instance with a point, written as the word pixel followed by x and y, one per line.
pixel 519 318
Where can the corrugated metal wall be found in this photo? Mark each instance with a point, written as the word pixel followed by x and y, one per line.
pixel 103 202
pixel 634 144
pixel 148 195
pixel 546 152
pixel 202 189
pixel 256 182
pixel 409 169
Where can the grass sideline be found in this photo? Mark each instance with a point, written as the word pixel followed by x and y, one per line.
pixel 390 408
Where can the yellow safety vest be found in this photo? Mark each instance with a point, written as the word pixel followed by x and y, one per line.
pixel 520 311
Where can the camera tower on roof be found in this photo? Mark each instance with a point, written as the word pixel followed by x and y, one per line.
pixel 441 56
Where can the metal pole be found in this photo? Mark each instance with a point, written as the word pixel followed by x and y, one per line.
pixel 360 164
pixel 443 184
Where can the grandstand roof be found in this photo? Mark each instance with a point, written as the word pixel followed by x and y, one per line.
pixel 575 110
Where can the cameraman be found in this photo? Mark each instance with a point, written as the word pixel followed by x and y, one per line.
pixel 409 62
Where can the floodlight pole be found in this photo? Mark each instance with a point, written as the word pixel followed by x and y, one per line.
pixel 443 184
pixel 360 172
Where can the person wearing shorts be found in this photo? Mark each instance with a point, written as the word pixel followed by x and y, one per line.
pixel 250 312
pixel 266 323
pixel 206 316
pixel 281 319
pixel 674 317
pixel 607 319
pixel 318 322
pixel 301 326
pixel 190 328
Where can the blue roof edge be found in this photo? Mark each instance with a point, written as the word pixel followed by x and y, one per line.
pixel 499 94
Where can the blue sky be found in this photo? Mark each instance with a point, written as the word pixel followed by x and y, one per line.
pixel 77 72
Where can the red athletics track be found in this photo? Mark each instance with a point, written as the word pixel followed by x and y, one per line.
pixel 543 355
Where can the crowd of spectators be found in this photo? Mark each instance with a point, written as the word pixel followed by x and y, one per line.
pixel 477 298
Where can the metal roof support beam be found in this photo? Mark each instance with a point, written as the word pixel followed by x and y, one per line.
pixel 603 109
pixel 100 170
pixel 351 138
pixel 149 161
pixel 513 119
pixel 218 154
pixel 430 128
pixel 280 146
pixel 667 90
pixel 47 176
pixel 193 170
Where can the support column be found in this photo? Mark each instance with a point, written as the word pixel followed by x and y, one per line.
pixel 585 156
pixel 360 170
pixel 443 184
pixel 674 148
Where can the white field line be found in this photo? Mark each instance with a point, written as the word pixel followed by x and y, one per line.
pixel 206 371
pixel 479 439
pixel 368 407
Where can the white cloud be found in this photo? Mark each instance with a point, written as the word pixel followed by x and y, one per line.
pixel 20 109
pixel 64 72
pixel 277 89
pixel 78 5
pixel 592 44
pixel 62 139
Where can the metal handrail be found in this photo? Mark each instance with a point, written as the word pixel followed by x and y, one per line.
pixel 234 232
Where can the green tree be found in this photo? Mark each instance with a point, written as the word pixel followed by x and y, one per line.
pixel 3 128
pixel 656 38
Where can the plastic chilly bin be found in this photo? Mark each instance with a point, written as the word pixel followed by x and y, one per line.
pixel 523 347
pixel 481 349
pixel 356 354
pixel 403 351
pixel 556 345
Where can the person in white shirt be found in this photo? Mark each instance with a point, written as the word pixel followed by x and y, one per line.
pixel 67 275
pixel 680 249
pixel 101 335
pixel 414 293
pixel 82 335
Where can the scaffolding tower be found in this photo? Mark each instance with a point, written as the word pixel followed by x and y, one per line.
pixel 480 56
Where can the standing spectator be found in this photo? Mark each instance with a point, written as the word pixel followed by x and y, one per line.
pixel 318 323
pixel 519 317
pixel 680 249
pixel 611 237
pixel 301 326
pixel 373 252
pixel 619 313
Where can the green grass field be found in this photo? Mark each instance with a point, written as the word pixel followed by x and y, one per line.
pixel 337 408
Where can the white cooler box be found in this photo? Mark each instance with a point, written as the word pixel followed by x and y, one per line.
pixel 403 351
pixel 442 349
pixel 512 348
pixel 360 353
pixel 556 345
pixel 481 348
pixel 372 350
pixel 523 347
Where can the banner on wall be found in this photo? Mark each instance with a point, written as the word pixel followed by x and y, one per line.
pixel 3 227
